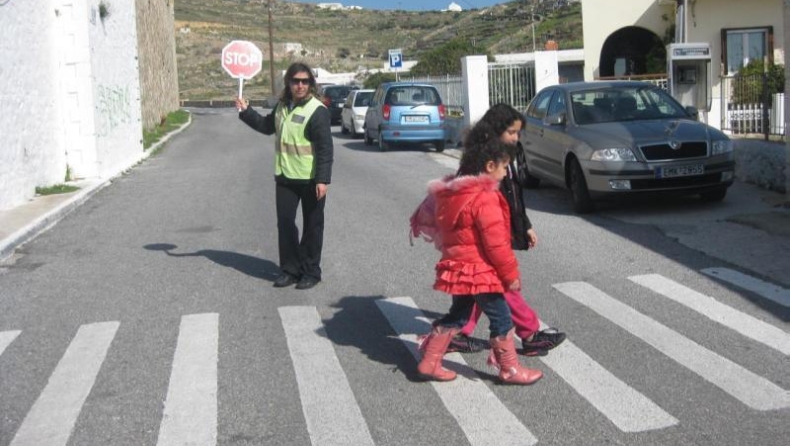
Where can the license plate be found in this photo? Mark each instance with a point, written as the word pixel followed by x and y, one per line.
pixel 415 119
pixel 680 171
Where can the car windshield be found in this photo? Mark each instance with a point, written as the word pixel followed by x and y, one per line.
pixel 413 95
pixel 337 93
pixel 363 99
pixel 624 104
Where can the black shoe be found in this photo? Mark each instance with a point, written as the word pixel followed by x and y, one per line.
pixel 463 344
pixel 306 282
pixel 542 342
pixel 284 280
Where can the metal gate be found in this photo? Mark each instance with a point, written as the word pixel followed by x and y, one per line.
pixel 751 105
pixel 511 83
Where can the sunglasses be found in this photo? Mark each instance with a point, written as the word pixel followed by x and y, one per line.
pixel 300 80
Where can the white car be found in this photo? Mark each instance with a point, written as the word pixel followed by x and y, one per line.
pixel 352 117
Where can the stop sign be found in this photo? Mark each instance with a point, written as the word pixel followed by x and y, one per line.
pixel 242 59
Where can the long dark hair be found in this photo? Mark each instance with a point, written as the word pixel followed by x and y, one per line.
pixel 501 116
pixel 297 67
pixel 481 145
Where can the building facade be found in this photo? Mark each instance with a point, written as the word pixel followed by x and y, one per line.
pixel 628 38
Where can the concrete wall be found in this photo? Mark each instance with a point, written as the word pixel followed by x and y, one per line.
pixel 30 101
pixel 157 60
pixel 70 94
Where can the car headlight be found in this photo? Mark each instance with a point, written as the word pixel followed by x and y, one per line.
pixel 360 117
pixel 614 154
pixel 722 146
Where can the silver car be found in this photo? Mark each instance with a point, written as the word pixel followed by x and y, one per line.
pixel 352 118
pixel 606 140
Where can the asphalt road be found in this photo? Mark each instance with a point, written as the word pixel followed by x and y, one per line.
pixel 147 317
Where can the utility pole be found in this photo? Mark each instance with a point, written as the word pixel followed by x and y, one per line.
pixel 271 50
pixel 532 19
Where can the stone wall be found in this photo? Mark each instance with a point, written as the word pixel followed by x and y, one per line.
pixel 761 163
pixel 157 60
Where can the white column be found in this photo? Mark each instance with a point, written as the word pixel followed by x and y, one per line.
pixel 547 70
pixel 475 79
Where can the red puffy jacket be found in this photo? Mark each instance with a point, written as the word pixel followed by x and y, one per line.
pixel 473 219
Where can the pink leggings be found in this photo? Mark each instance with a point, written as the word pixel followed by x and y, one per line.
pixel 524 317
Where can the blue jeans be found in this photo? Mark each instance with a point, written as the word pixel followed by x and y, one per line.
pixel 493 305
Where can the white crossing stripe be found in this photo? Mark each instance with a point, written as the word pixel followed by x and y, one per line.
pixel 751 389
pixel 741 322
pixel 6 338
pixel 332 414
pixel 190 413
pixel 52 417
pixel 767 290
pixel 628 409
pixel 479 413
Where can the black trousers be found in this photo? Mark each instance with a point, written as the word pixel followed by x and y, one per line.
pixel 300 258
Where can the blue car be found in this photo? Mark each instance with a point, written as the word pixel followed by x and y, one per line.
pixel 405 112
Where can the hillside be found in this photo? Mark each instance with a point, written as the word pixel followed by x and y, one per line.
pixel 348 40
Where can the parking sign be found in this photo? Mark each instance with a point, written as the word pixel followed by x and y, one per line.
pixel 396 58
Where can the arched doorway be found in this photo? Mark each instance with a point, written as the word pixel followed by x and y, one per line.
pixel 632 51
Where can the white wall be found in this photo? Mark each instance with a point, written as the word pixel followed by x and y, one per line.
pixel 70 94
pixel 29 105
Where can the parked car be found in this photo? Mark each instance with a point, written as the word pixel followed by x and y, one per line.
pixel 352 118
pixel 405 112
pixel 602 140
pixel 334 96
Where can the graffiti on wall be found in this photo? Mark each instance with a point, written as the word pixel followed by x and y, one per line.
pixel 114 108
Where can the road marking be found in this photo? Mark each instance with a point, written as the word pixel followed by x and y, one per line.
pixel 190 414
pixel 749 388
pixel 332 414
pixel 767 290
pixel 743 323
pixel 485 422
pixel 628 409
pixel 6 338
pixel 55 412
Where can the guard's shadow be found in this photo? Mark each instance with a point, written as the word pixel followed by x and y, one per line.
pixel 249 265
pixel 373 324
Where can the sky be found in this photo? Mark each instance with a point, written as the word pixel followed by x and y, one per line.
pixel 409 5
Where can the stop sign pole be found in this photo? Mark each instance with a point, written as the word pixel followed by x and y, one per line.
pixel 242 60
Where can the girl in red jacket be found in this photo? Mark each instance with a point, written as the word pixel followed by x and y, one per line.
pixel 507 123
pixel 478 264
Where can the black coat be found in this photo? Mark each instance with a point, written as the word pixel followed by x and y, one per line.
pixel 513 190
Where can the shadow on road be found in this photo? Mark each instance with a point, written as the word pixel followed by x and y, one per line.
pixel 373 336
pixel 249 265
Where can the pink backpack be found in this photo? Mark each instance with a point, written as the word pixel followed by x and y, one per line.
pixel 423 222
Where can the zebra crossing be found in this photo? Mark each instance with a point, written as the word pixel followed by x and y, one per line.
pixel 332 413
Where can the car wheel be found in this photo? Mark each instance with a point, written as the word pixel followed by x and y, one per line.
pixel 582 203
pixel 383 146
pixel 368 139
pixel 440 145
pixel 713 195
pixel 343 129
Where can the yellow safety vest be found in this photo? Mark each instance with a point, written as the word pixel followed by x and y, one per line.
pixel 293 154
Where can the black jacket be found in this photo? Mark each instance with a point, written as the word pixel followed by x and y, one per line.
pixel 317 131
pixel 511 187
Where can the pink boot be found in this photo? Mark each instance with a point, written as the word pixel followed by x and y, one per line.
pixel 436 343
pixel 510 370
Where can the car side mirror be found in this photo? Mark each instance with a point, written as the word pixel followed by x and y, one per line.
pixel 693 112
pixel 556 119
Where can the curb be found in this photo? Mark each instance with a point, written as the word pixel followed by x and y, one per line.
pixel 87 189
